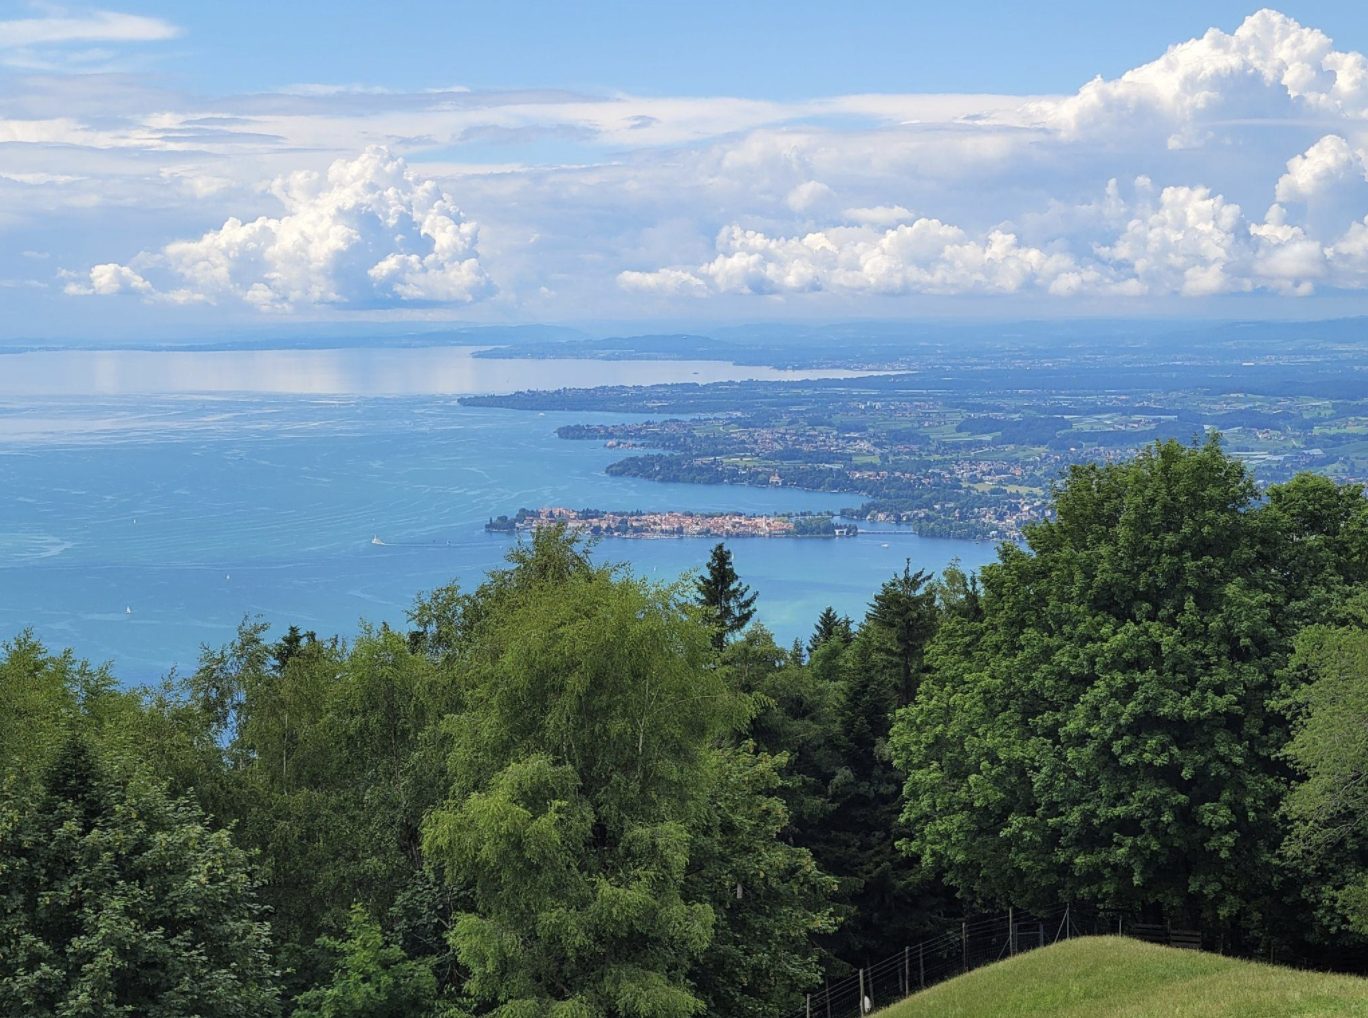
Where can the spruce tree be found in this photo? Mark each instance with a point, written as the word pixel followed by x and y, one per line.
pixel 830 626
pixel 904 611
pixel 117 899
pixel 728 602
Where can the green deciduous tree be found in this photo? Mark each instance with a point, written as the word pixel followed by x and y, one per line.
pixel 371 979
pixel 581 768
pixel 330 756
pixel 45 698
pixel 1100 728
pixel 116 899
pixel 769 898
pixel 1329 807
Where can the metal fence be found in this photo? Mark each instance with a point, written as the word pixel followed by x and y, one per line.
pixel 961 947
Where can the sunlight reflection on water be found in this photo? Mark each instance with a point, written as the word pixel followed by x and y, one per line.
pixel 367 372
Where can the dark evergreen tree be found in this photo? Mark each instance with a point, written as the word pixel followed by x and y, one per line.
pixel 727 601
pixel 904 610
pixel 117 899
pixel 887 901
pixel 830 626
pixel 291 644
pixel 829 719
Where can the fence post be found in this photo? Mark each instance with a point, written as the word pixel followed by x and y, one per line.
pixel 1068 923
pixel 921 963
pixel 809 1005
pixel 964 944
pixel 907 970
pixel 1118 926
pixel 1011 930
pixel 862 994
pixel 828 996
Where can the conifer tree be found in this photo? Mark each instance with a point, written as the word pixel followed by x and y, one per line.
pixel 904 610
pixel 117 899
pixel 830 626
pixel 728 602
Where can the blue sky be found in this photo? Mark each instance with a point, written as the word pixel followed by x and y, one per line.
pixel 171 168
pixel 761 49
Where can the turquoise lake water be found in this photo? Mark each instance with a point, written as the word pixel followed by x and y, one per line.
pixel 146 507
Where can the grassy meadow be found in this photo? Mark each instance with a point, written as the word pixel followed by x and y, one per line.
pixel 1109 977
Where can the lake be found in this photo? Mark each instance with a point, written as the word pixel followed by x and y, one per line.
pixel 366 371
pixel 144 514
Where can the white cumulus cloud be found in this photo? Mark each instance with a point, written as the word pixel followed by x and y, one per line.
pixel 1185 240
pixel 1269 66
pixel 1328 164
pixel 665 282
pixel 1329 182
pixel 924 256
pixel 109 279
pixel 1182 245
pixel 1269 90
pixel 367 231
pixel 809 195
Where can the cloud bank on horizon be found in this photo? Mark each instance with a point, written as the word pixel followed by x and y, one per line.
pixel 1236 162
pixel 1206 97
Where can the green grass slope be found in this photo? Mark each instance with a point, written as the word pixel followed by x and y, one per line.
pixel 1111 977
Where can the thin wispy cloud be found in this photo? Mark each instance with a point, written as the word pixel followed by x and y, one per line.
pixel 84 27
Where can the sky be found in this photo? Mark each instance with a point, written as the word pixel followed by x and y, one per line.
pixel 172 169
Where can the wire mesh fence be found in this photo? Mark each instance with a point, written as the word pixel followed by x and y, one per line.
pixel 959 948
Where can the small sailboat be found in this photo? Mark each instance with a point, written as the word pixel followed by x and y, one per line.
pixel 884 545
pixel 128 611
pixel 376 540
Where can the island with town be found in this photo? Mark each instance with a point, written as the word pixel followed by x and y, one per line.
pixel 601 523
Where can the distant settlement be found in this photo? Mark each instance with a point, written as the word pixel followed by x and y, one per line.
pixel 599 523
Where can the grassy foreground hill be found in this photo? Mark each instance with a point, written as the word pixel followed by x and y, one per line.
pixel 1111 977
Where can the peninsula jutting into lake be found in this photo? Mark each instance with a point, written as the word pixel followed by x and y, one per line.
pixel 599 523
